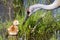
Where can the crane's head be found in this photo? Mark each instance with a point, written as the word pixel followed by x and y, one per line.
pixel 29 12
pixel 15 22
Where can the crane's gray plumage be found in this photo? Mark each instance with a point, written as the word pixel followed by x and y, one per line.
pixel 34 8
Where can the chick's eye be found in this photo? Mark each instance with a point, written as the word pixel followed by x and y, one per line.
pixel 16 22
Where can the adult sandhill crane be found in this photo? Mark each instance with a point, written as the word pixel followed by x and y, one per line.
pixel 34 8
pixel 13 29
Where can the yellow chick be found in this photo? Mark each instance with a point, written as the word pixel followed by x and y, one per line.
pixel 13 29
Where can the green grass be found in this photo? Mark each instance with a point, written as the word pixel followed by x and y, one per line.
pixel 42 31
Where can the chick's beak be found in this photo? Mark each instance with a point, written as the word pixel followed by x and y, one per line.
pixel 26 17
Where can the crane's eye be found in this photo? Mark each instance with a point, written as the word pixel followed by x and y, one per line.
pixel 28 12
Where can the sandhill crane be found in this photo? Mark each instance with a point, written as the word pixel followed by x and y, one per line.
pixel 34 8
pixel 13 29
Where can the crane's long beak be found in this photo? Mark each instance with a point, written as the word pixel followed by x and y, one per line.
pixel 26 17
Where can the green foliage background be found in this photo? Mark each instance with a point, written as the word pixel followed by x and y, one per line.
pixel 45 30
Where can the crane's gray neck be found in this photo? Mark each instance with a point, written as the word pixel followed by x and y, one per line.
pixel 36 7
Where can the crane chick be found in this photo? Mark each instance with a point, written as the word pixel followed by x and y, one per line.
pixel 13 29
